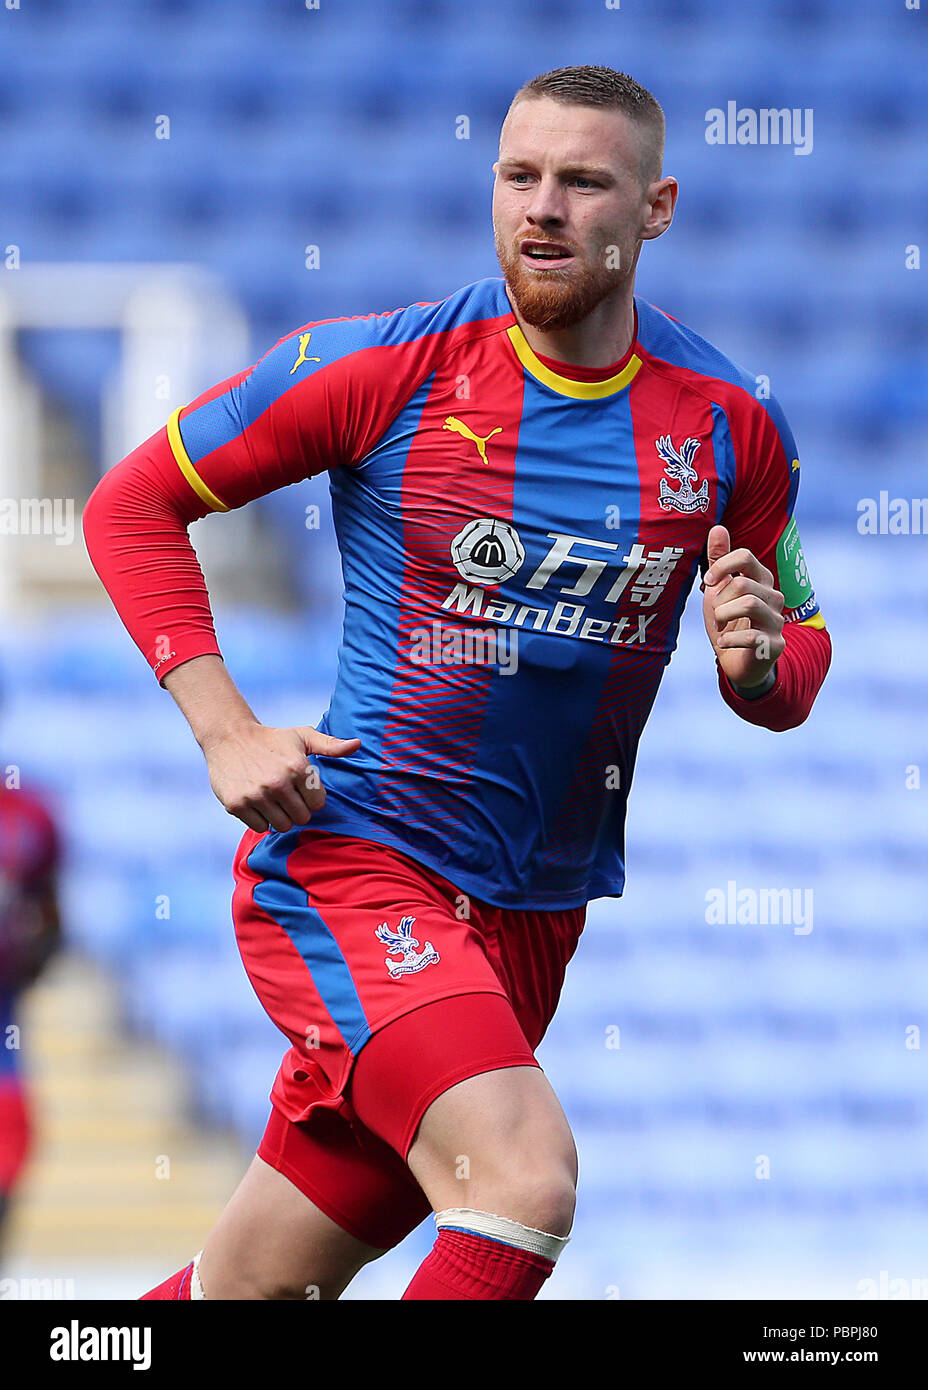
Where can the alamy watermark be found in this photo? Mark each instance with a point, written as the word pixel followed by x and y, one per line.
pixel 38 516
pixel 442 645
pixel 748 125
pixel 892 516
pixel 887 1288
pixel 734 906
pixel 36 1289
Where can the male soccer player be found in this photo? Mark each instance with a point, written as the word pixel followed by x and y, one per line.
pixel 30 933
pixel 525 479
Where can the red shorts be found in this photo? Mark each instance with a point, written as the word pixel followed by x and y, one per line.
pixel 14 1131
pixel 391 985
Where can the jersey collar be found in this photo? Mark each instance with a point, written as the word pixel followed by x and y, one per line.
pixel 569 386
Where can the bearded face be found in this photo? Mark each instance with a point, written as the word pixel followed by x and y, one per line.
pixel 569 209
pixel 553 284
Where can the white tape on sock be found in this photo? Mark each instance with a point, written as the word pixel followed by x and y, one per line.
pixel 196 1288
pixel 484 1223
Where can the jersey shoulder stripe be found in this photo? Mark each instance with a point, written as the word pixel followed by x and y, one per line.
pixel 364 367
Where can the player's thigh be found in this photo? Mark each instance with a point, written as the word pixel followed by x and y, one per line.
pixel 500 1142
pixel 454 1088
pixel 272 1242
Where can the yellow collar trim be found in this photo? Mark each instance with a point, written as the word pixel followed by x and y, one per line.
pixel 565 385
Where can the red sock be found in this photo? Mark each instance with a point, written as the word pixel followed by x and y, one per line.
pixel 178 1286
pixel 462 1265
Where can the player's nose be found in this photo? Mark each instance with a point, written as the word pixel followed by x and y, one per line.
pixel 548 204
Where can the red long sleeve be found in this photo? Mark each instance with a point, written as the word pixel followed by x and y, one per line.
pixel 135 529
pixel 800 672
pixel 319 399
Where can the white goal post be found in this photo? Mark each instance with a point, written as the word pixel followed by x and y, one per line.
pixel 180 332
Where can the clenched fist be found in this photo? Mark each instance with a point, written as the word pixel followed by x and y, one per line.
pixel 743 612
pixel 263 776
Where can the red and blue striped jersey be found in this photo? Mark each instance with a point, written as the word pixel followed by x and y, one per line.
pixel 517 547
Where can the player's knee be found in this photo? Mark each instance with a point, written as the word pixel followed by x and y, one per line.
pixel 536 1177
pixel 533 1186
pixel 258 1287
pixel 541 1197
pixel 254 1278
pixel 279 1291
pixel 241 1285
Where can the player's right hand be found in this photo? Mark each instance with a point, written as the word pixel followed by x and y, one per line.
pixel 262 775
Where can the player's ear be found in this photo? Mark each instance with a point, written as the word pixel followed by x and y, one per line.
pixel 663 201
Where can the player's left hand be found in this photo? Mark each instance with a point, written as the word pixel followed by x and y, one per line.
pixel 743 611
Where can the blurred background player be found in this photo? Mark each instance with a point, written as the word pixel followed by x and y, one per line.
pixel 30 934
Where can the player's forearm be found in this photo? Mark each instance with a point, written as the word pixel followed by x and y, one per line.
pixel 135 528
pixel 209 699
pixel 800 672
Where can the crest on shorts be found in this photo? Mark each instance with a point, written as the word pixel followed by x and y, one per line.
pixel 400 941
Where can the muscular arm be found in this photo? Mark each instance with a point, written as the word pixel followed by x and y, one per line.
pixel 135 527
pixel 772 648
pixel 319 399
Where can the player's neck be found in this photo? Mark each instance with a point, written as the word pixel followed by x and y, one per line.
pixel 600 339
